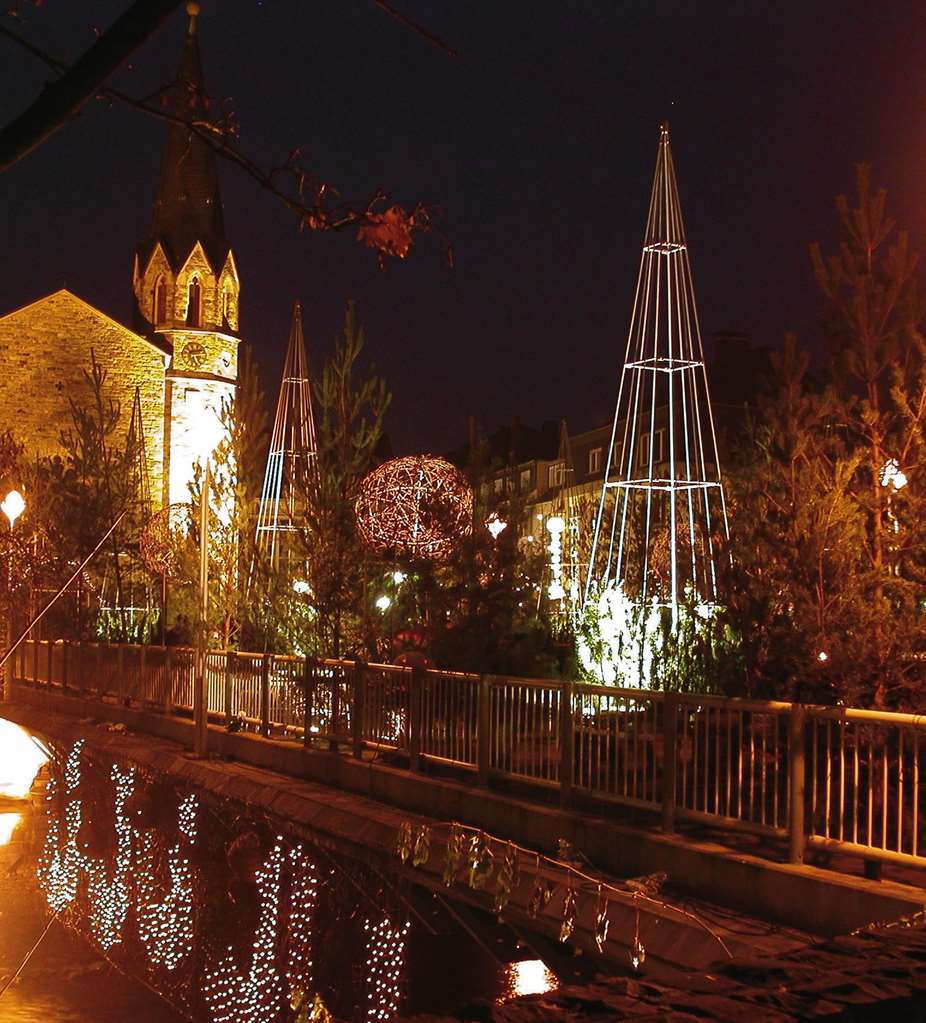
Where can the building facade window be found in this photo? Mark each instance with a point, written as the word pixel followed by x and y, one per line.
pixel 194 305
pixel 227 307
pixel 159 304
pixel 525 479
pixel 594 460
pixel 499 484
pixel 557 474
pixel 644 452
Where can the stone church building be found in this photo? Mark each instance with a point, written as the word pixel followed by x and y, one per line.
pixel 180 356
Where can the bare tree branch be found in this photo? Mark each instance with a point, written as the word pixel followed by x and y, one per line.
pixel 82 81
pixel 386 228
pixel 415 27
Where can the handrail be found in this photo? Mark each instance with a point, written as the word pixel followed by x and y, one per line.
pixel 825 777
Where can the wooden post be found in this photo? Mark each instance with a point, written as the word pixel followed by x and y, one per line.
pixel 65 663
pixel 797 780
pixel 229 668
pixel 416 687
pixel 265 694
pixel 357 705
pixel 670 704
pixel 51 661
pixel 35 661
pixel 146 691
pixel 567 730
pixel 483 708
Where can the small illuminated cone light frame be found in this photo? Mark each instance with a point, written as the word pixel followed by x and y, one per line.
pixel 556 525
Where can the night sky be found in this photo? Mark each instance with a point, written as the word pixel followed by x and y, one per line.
pixel 538 144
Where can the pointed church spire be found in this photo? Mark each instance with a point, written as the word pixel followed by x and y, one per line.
pixel 188 206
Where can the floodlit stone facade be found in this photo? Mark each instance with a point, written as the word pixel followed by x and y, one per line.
pixel 182 358
pixel 45 354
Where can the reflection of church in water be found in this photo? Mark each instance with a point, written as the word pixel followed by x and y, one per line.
pixel 180 360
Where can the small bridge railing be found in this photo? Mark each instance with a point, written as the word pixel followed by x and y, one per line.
pixel 834 778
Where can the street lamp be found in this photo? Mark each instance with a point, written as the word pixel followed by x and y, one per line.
pixel 12 506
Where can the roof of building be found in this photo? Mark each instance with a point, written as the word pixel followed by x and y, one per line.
pixel 163 347
pixel 188 205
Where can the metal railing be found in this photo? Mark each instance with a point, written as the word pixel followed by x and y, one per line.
pixel 831 778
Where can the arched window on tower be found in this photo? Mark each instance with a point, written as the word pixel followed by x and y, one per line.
pixel 227 308
pixel 159 305
pixel 194 303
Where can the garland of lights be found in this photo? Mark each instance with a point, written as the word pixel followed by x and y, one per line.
pixel 415 507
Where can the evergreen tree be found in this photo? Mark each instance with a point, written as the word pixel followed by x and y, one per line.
pixel 350 408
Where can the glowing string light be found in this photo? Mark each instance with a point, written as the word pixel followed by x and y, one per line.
pixel 385 964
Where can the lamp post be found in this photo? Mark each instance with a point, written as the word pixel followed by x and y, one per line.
pixel 12 506
pixel 200 696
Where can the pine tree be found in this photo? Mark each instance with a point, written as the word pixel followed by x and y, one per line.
pixel 350 408
pixel 878 374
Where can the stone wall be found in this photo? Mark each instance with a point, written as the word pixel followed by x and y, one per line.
pixel 44 350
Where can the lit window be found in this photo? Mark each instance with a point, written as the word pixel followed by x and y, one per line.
pixel 557 474
pixel 499 484
pixel 525 479
pixel 644 451
pixel 594 460
pixel 194 303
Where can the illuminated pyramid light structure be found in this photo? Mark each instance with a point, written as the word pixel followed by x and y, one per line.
pixel 292 459
pixel 662 511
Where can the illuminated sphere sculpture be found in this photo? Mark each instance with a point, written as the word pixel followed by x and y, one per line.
pixel 415 507
pixel 163 539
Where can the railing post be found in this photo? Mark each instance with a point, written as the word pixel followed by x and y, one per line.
pixel 121 689
pixel 143 692
pixel 334 704
pixel 797 775
pixel 229 668
pixel 567 742
pixel 265 694
pixel 65 663
pixel 356 710
pixel 51 661
pixel 35 661
pixel 308 700
pixel 483 708
pixel 168 680
pixel 670 705
pixel 416 683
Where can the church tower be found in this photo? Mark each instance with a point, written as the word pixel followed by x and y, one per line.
pixel 186 282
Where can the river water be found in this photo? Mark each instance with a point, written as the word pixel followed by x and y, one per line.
pixel 65 977
pixel 438 967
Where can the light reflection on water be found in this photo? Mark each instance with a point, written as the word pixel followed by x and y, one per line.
pixel 528 977
pixel 8 822
pixel 20 760
pixel 64 981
